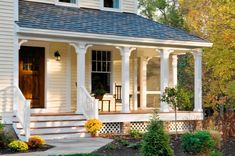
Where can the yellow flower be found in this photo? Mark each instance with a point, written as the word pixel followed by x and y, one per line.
pixel 93 126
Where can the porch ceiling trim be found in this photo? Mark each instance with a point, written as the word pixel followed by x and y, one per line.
pixel 112 38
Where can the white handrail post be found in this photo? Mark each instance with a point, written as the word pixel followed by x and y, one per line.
pixel 96 109
pixel 27 120
pixel 15 100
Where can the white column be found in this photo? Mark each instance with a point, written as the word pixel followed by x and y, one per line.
pixel 143 82
pixel 135 83
pixel 198 81
pixel 125 53
pixel 80 49
pixel 174 70
pixel 164 53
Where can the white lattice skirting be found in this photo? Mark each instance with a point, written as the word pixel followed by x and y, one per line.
pixel 182 126
pixel 113 127
pixel 140 126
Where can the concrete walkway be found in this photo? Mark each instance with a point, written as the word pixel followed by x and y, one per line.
pixel 70 146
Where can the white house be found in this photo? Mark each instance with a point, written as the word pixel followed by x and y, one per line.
pixel 55 53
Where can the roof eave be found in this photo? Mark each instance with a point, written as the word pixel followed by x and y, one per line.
pixel 34 31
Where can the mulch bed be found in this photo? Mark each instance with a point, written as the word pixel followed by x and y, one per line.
pixel 41 149
pixel 119 149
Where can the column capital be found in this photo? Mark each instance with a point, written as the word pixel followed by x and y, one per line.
pixel 126 50
pixel 145 58
pixel 197 53
pixel 165 51
pixel 80 47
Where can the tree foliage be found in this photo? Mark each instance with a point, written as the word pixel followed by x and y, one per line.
pixel 215 21
pixel 163 11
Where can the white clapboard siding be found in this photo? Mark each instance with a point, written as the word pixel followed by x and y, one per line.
pixel 130 6
pixel 127 5
pixel 6 54
pixel 57 75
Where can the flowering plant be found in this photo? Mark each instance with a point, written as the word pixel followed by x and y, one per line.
pixel 93 126
pixel 18 146
pixel 36 141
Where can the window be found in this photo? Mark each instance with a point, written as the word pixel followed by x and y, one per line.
pixel 72 3
pixel 101 70
pixel 68 1
pixel 112 4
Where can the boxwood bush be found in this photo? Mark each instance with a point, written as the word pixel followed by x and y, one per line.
pixel 198 142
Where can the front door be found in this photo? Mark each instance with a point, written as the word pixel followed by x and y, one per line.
pixel 32 74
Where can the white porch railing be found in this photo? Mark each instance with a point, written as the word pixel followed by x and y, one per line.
pixel 22 111
pixel 89 105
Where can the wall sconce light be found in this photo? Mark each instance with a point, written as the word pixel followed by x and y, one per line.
pixel 57 56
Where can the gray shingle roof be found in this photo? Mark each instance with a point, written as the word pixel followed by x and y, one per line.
pixel 52 17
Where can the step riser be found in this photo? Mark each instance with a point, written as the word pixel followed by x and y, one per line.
pixel 62 136
pixel 45 118
pixel 57 130
pixel 54 124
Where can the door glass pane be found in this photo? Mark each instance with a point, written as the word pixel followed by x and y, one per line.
pixel 153 101
pixel 153 74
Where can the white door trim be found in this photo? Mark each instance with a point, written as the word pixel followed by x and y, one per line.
pixel 46 46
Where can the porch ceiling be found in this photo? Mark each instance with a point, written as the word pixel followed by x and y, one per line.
pixel 87 22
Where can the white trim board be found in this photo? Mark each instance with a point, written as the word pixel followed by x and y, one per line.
pixel 46 46
pixel 111 38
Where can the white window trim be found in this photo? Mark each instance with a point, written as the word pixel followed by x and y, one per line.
pixel 111 9
pixel 68 4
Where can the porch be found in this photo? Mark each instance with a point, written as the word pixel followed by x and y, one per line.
pixel 73 70
pixel 141 73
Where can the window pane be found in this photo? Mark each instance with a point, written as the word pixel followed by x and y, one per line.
pixel 98 66
pixel 108 56
pixel 98 55
pixel 93 66
pixel 104 67
pixel 101 80
pixel 68 1
pixel 116 4
pixel 109 67
pixel 93 55
pixel 104 58
pixel 111 4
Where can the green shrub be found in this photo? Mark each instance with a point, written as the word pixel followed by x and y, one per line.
pixel 18 146
pixel 135 133
pixel 5 139
pixel 136 145
pixel 156 142
pixel 216 153
pixel 123 142
pixel 198 142
pixel 1 126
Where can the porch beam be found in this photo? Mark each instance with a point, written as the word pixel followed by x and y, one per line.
pixel 198 80
pixel 164 53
